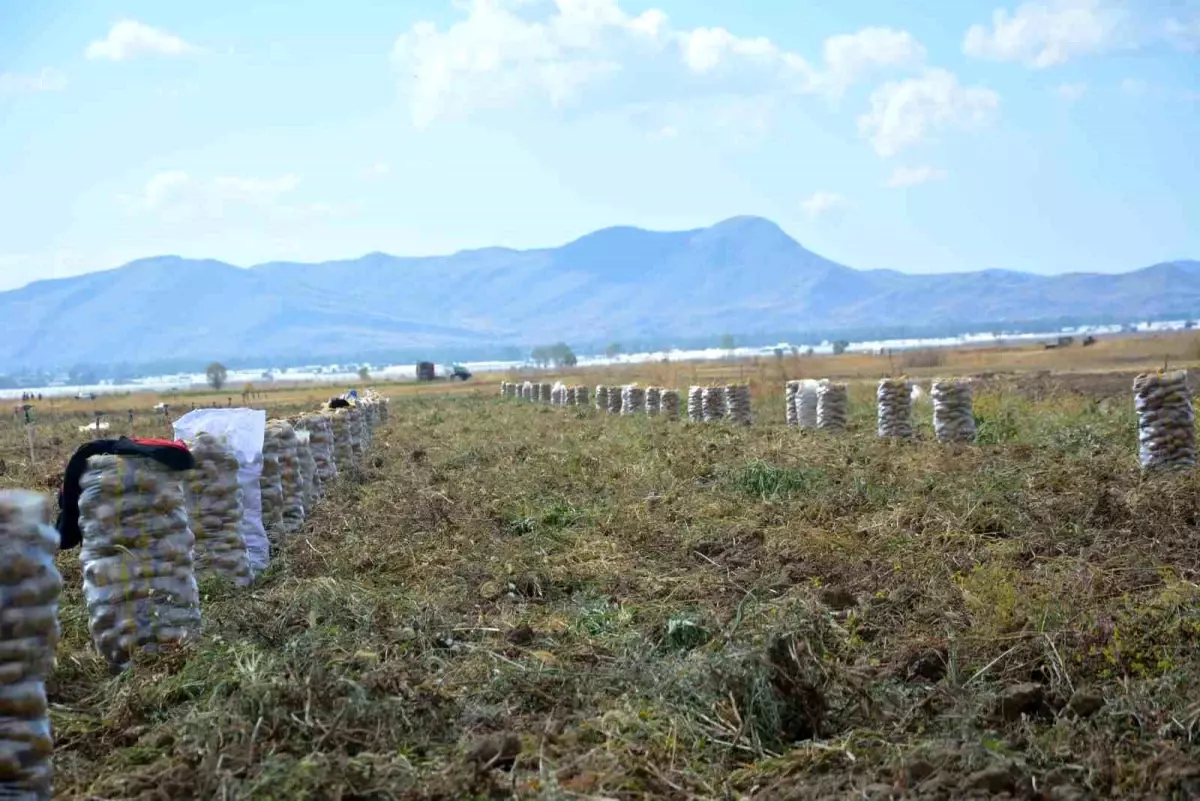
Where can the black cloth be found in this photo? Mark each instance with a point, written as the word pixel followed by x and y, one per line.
pixel 339 403
pixel 174 455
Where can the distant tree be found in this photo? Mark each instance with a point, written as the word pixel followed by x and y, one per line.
pixel 728 342
pixel 808 351
pixel 779 353
pixel 840 346
pixel 561 354
pixel 612 349
pixel 217 375
pixel 540 356
pixel 364 374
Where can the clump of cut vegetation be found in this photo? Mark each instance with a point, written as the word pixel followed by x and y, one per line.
pixel 518 600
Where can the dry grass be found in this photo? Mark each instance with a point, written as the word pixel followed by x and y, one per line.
pixel 622 608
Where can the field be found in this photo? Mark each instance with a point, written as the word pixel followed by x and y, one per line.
pixel 514 600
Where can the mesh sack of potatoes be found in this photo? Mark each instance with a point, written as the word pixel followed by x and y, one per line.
pixel 737 404
pixel 616 399
pixel 343 440
pixel 953 410
pixel 806 404
pixel 633 399
pixel 581 396
pixel 320 442
pixel 572 396
pixel 791 390
pixel 653 400
pixel 385 405
pixel 668 403
pixel 546 389
pixel 139 583
pixel 290 477
pixel 602 397
pixel 270 481
pixel 354 427
pixel 309 480
pixel 894 397
pixel 1166 420
pixel 695 407
pixel 214 506
pixel 833 406
pixel 360 433
pixel 243 431
pixel 504 389
pixel 30 585
pixel 713 404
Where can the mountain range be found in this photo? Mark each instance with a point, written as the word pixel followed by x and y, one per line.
pixel 741 276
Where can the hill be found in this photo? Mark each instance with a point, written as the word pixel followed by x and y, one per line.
pixel 744 275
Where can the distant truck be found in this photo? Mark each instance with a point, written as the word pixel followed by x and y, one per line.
pixel 427 371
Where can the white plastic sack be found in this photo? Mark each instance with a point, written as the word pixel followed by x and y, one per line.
pixel 244 430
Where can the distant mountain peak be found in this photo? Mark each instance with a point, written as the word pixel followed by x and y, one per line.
pixel 743 275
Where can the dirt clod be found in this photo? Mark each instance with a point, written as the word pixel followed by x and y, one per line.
pixel 1084 704
pixel 495 751
pixel 1021 699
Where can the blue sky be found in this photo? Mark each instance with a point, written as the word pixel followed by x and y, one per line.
pixel 1049 136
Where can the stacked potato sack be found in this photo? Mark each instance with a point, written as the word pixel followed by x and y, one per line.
pixel 138 575
pixel 953 410
pixel 320 441
pixel 633 399
pixel 669 404
pixel 737 404
pixel 1166 420
pixel 616 399
pixel 653 400
pixel 558 394
pixel 310 482
pixel 384 406
pixel 270 483
pixel 602 397
pixel 30 585
pixel 713 404
pixel 214 505
pixel 357 444
pixel 343 453
pixel 806 404
pixel 833 406
pixel 895 408
pixel 792 390
pixel 572 397
pixel 695 407
pixel 504 389
pixel 290 476
pixel 581 396
pixel 544 395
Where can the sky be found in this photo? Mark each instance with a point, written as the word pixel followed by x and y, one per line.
pixel 1048 136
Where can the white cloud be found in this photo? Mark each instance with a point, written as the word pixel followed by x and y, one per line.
pixel 820 203
pixel 907 112
pixel 1185 34
pixel 174 196
pixel 1071 92
pixel 48 80
pixel 914 176
pixel 851 57
pixel 1045 34
pixel 129 39
pixel 503 52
